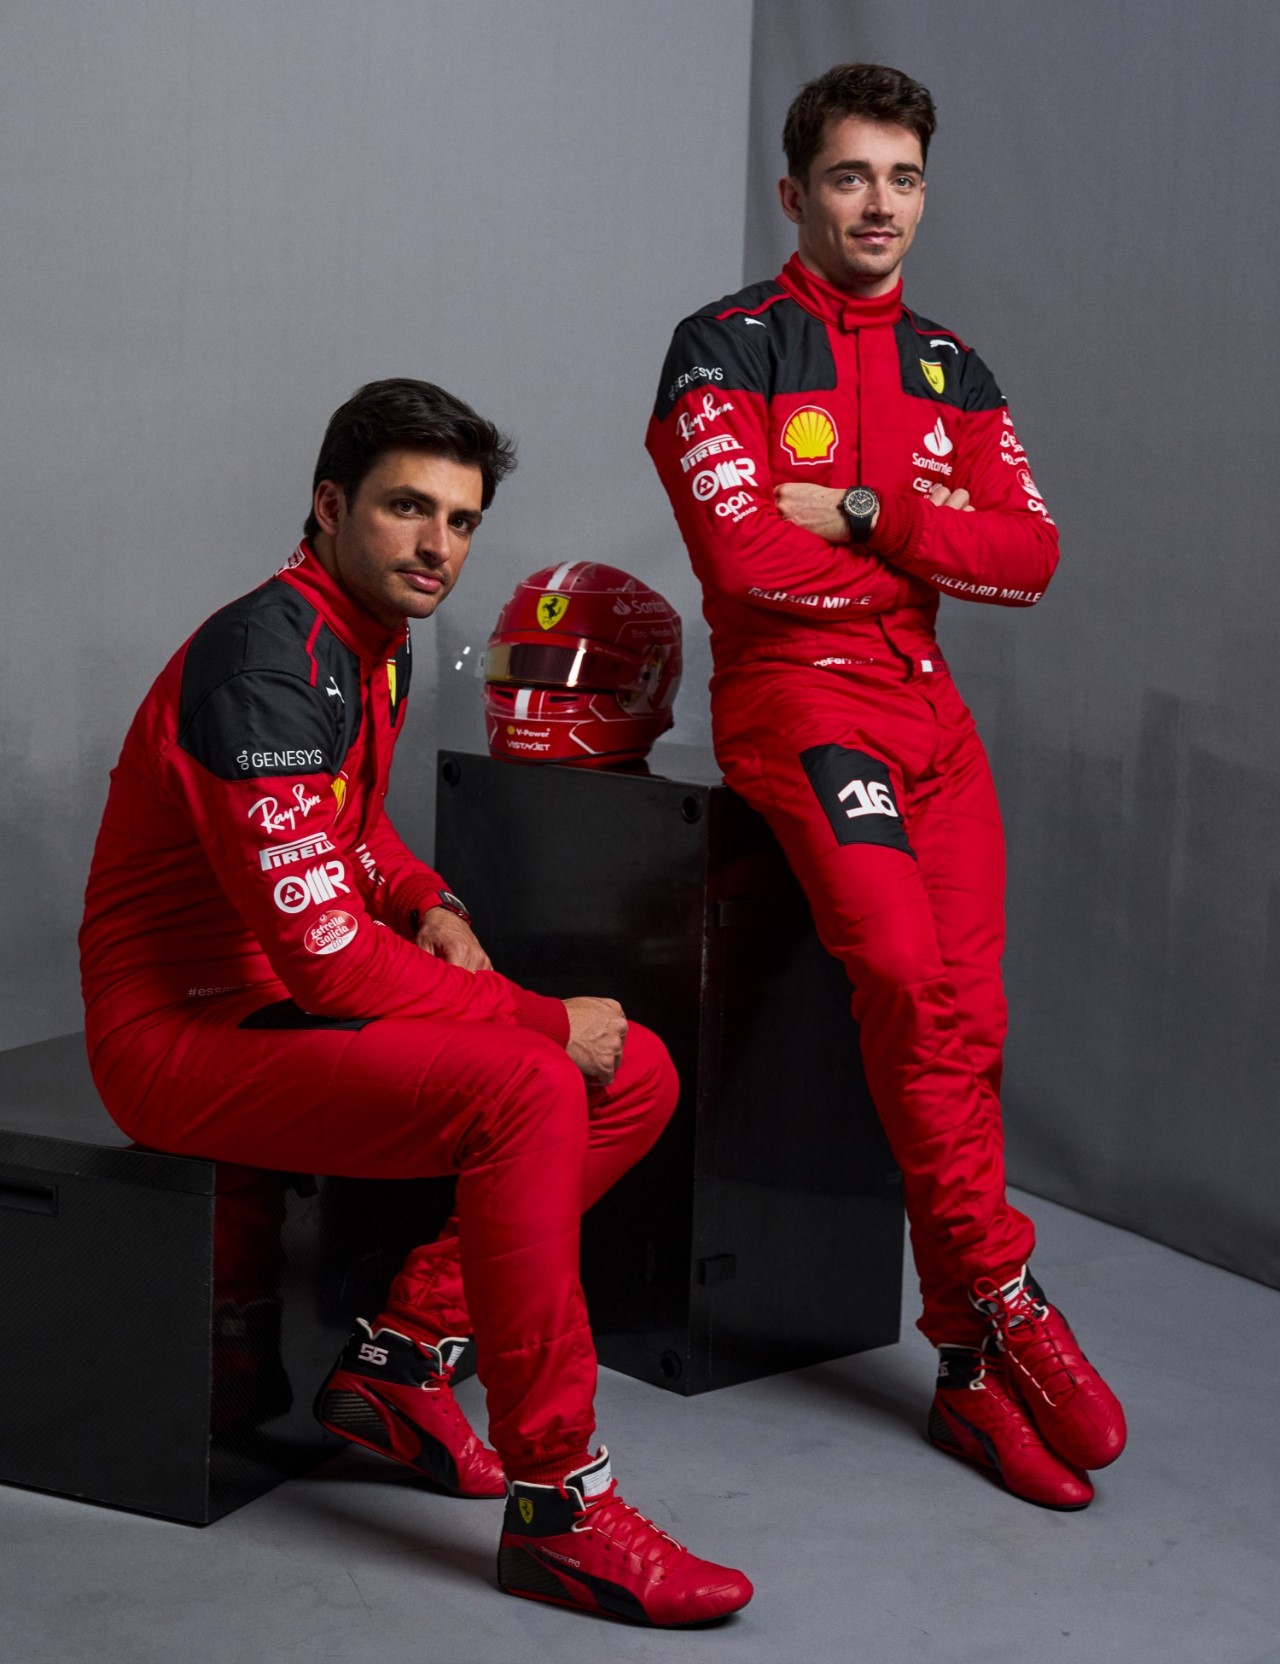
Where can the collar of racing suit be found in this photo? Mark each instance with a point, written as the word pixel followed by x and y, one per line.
pixel 836 306
pixel 348 620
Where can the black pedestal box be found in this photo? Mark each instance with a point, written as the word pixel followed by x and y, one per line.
pixel 764 1231
pixel 165 1322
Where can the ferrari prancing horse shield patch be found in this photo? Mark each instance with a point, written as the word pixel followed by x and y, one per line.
pixel 551 609
pixel 934 375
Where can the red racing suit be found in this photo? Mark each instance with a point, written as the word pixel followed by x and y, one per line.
pixel 833 711
pixel 254 994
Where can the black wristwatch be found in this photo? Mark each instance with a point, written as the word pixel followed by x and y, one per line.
pixel 860 507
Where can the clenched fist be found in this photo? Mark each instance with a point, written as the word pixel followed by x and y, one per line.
pixel 597 1032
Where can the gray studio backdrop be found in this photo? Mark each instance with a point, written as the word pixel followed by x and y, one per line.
pixel 1102 224
pixel 219 220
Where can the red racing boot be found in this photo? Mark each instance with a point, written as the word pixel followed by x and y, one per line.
pixel 976 1415
pixel 393 1395
pixel 579 1544
pixel 1074 1408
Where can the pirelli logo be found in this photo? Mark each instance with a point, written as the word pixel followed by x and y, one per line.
pixel 301 849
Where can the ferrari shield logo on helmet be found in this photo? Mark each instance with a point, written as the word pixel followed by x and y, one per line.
pixel 551 609
pixel 933 374
pixel 526 1510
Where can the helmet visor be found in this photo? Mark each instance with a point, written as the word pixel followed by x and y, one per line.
pixel 547 664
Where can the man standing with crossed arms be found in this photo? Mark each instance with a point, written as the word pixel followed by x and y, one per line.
pixel 836 463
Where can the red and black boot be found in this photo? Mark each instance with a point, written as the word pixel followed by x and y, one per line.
pixel 976 1415
pixel 579 1544
pixel 393 1395
pixel 1076 1411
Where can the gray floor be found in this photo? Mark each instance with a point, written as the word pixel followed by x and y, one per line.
pixel 864 1544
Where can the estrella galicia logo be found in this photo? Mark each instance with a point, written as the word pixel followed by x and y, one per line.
pixel 857 796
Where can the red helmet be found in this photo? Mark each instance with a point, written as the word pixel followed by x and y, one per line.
pixel 583 667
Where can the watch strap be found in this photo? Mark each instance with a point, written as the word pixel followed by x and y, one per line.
pixel 441 898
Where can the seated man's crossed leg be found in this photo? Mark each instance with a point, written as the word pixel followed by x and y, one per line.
pixel 273 979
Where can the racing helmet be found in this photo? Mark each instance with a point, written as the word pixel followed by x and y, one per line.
pixel 582 667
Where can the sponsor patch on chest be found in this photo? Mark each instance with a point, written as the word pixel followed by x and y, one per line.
pixel 810 436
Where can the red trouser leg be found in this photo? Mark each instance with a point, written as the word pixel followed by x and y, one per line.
pixel 501 1107
pixel 955 830
pixel 919 935
pixel 427 1299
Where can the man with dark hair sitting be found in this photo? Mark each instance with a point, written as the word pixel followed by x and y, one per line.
pixel 271 978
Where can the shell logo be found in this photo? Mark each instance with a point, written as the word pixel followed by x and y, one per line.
pixel 810 435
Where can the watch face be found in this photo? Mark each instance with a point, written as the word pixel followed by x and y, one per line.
pixel 860 501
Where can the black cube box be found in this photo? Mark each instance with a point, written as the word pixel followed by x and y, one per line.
pixel 764 1232
pixel 165 1322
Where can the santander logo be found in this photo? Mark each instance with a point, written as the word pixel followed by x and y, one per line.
pixel 936 440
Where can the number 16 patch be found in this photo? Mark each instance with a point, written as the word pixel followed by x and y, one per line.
pixel 856 794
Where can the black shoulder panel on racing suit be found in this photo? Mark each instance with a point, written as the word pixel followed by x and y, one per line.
pixel 758 341
pixel 937 365
pixel 978 385
pixel 266 692
pixel 754 300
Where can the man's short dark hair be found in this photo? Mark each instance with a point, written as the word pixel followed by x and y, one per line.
pixel 872 91
pixel 404 415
